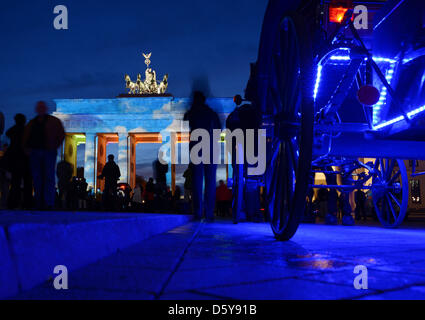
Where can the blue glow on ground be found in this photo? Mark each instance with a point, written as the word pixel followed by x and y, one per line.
pixel 244 261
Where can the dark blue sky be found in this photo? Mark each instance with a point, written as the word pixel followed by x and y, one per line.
pixel 188 39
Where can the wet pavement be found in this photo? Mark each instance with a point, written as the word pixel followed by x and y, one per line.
pixel 244 261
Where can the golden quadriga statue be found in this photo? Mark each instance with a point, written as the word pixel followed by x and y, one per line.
pixel 150 85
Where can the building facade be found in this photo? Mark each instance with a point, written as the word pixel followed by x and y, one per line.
pixel 126 121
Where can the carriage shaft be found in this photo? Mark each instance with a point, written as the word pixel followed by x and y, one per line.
pixel 360 146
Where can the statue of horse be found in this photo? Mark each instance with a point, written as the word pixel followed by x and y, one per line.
pixel 133 88
pixel 141 88
pixel 163 85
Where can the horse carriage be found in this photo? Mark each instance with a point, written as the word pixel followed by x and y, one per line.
pixel 330 97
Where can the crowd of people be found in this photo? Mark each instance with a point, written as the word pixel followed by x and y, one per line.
pixel 28 181
pixel 31 179
pixel 30 161
pixel 27 176
pixel 331 206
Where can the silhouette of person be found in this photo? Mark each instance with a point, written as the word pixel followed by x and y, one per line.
pixel 160 172
pixel 64 173
pixel 201 116
pixel 81 189
pixel 111 173
pixel 360 199
pixel 329 198
pixel 19 165
pixel 150 195
pixel 4 177
pixel 222 195
pixel 188 184
pixel 137 199
pixel 42 137
pixel 244 117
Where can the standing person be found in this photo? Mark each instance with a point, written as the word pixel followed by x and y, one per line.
pixel 137 200
pixel 160 172
pixel 111 173
pixel 245 117
pixel 188 184
pixel 222 194
pixel 19 165
pixel 323 196
pixel 329 198
pixel 150 195
pixel 64 173
pixel 188 204
pixel 360 200
pixel 42 137
pixel 201 116
pixel 4 177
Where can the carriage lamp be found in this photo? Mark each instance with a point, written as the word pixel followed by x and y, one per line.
pixel 338 9
pixel 336 15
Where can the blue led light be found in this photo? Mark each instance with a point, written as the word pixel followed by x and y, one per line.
pixel 379 59
pixel 318 78
pixel 383 99
pixel 384 92
pixel 416 111
pixel 410 115
pixel 340 58
pixel 387 123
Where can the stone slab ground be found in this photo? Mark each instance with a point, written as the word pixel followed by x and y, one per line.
pixel 33 243
pixel 244 261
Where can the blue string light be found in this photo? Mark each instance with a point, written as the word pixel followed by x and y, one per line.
pixel 384 92
pixel 410 115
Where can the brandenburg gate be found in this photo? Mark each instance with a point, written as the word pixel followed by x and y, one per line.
pixel 129 119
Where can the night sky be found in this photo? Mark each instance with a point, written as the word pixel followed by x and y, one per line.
pixel 189 39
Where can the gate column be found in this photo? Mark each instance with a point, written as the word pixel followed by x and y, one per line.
pixel 123 159
pixel 132 170
pixel 100 160
pixel 70 152
pixel 90 159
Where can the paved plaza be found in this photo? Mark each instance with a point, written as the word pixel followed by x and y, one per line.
pixel 226 261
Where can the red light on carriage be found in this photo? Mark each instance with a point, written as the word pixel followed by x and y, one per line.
pixel 338 9
pixel 336 15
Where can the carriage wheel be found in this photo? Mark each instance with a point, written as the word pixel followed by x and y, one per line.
pixel 390 191
pixel 290 93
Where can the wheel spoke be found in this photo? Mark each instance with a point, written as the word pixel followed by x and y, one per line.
pixel 384 168
pixel 287 176
pixel 380 167
pixel 290 177
pixel 279 191
pixel 293 154
pixel 273 164
pixel 395 177
pixel 390 168
pixel 395 199
pixel 391 207
pixel 274 180
pixel 376 164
